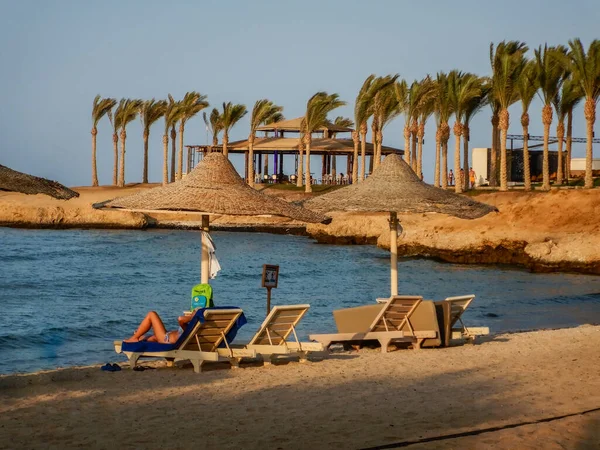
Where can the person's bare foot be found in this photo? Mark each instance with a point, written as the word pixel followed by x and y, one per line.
pixel 131 339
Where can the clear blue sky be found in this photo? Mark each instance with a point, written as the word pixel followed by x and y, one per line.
pixel 57 55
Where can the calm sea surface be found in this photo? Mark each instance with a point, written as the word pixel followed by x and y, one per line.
pixel 66 295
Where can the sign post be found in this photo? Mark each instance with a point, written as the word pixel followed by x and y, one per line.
pixel 270 276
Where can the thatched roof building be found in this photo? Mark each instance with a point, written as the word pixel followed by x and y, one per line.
pixel 14 181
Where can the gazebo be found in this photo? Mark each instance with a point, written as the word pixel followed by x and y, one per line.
pixel 283 138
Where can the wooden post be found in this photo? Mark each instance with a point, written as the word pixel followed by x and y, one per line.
pixel 204 258
pixel 394 252
pixel 268 300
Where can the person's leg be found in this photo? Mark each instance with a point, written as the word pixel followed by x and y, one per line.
pixel 152 322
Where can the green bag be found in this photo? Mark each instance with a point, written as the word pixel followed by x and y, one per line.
pixel 202 296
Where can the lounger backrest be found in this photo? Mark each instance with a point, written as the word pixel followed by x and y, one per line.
pixel 396 313
pixel 279 324
pixel 458 305
pixel 210 333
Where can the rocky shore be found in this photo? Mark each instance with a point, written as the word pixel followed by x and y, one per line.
pixel 555 231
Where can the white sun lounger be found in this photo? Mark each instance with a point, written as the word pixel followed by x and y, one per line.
pixel 386 327
pixel 271 339
pixel 199 345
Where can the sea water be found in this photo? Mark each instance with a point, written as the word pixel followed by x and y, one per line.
pixel 65 295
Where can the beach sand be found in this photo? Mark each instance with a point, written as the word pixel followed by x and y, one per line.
pixel 350 400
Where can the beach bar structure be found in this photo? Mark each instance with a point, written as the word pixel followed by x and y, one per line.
pixel 283 138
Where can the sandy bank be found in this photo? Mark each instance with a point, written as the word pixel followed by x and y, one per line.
pixel 347 401
pixel 555 231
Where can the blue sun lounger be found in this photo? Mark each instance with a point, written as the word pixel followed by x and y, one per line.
pixel 206 338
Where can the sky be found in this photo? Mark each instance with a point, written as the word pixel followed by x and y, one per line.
pixel 57 55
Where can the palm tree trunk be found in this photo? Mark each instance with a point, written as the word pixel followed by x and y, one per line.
pixel 356 140
pixel 173 151
pixel 308 186
pixel 420 137
pixel 379 145
pixel 467 181
pixel 94 166
pixel 407 144
pixel 569 143
pixel 116 158
pixel 560 134
pixel 493 179
pixel 413 158
pixel 165 159
pixel 526 166
pixel 333 169
pixel 458 185
pixel 503 125
pixel 436 170
pixel 374 137
pixel 121 182
pixel 225 143
pixel 179 174
pixel 251 160
pixel 146 136
pixel 363 150
pixel 444 164
pixel 300 174
pixel 590 116
pixel 546 120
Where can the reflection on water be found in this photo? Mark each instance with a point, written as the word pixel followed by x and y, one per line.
pixel 66 295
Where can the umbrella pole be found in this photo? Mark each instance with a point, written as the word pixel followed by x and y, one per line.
pixel 394 252
pixel 204 251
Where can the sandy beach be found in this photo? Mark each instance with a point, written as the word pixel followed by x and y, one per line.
pixel 524 390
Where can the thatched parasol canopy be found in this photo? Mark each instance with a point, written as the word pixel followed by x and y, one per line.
pixel 14 181
pixel 394 187
pixel 213 187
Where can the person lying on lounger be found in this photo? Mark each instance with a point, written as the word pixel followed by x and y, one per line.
pixel 153 322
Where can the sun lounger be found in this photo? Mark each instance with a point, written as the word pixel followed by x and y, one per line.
pixel 206 338
pixel 272 337
pixel 452 311
pixel 386 327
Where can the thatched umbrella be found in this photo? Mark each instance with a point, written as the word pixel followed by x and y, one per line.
pixel 213 187
pixel 14 181
pixel 395 188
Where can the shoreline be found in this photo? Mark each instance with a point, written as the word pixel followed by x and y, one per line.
pixel 557 231
pixel 22 379
pixel 515 390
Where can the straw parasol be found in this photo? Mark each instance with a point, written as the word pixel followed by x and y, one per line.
pixel 14 181
pixel 213 187
pixel 395 188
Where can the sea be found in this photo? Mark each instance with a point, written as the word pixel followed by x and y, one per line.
pixel 66 295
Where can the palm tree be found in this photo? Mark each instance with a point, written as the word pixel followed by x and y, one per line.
pixel 126 112
pixel 507 63
pixel 401 91
pixel 113 123
pixel 99 109
pixel 425 109
pixel 214 125
pixel 384 106
pixel 150 112
pixel 571 96
pixel 345 122
pixel 463 89
pixel 586 70
pixel 564 103
pixel 527 87
pixel 472 107
pixel 359 136
pixel 263 111
pixel 550 76
pixel 495 119
pixel 443 111
pixel 192 104
pixel 171 117
pixel 317 108
pixel 229 117
pixel 411 111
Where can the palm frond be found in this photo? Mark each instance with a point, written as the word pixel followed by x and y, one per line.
pixel 101 107
pixel 126 111
pixel 264 111
pixel 232 113
pixel 151 111
pixel 317 108
pixel 507 61
pixel 342 121
pixel 550 71
pixel 586 66
pixel 191 104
